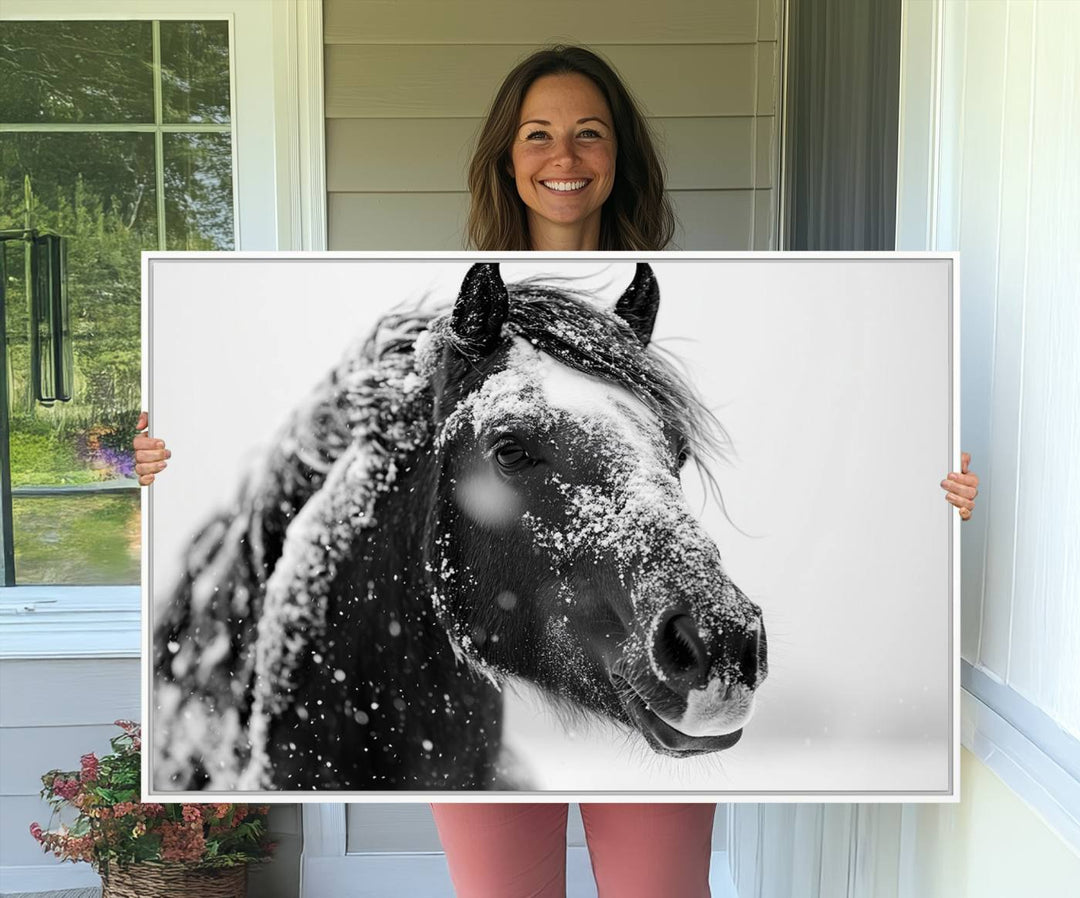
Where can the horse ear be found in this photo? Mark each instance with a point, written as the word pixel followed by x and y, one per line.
pixel 481 309
pixel 639 303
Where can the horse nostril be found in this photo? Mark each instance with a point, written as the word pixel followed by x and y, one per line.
pixel 679 650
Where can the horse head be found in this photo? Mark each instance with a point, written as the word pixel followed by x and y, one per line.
pixel 559 545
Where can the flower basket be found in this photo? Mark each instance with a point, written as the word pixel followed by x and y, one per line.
pixel 149 850
pixel 174 881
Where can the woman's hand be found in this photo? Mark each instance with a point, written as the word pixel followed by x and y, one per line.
pixel 961 489
pixel 150 453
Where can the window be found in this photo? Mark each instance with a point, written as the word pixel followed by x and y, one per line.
pixel 278 182
pixel 118 136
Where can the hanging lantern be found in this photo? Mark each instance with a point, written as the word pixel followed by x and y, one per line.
pixel 51 358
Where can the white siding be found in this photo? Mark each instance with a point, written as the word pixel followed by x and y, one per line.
pixel 1008 197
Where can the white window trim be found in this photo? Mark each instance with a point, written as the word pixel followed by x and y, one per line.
pixel 278 142
pixel 69 622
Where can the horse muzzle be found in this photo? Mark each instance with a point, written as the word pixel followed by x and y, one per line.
pixel 690 695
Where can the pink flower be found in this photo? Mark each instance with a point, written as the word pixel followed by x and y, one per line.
pixel 192 813
pixel 36 831
pixel 65 788
pixel 89 768
pixel 181 842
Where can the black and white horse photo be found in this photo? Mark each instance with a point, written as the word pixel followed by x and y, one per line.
pixel 478 493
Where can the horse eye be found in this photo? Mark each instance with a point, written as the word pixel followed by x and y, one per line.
pixel 511 457
pixel 683 456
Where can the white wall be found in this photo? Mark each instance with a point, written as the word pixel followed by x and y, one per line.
pixel 1004 189
pixel 990 137
pixel 990 845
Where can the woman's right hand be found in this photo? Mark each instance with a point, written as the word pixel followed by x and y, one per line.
pixel 150 453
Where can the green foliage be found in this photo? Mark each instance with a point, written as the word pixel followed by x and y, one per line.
pixel 39 458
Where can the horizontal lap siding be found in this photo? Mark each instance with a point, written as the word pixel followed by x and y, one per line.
pixel 55 693
pixel 27 752
pixel 397 221
pixel 460 80
pixel 526 22
pixel 52 713
pixel 408 84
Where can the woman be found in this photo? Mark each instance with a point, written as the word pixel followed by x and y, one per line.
pixel 565 162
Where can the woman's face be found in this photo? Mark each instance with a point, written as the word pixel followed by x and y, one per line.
pixel 563 154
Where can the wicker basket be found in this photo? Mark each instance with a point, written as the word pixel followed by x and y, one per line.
pixel 174 881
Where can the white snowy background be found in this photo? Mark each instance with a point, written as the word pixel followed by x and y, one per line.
pixel 832 377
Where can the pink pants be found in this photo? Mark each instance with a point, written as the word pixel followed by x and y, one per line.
pixel 519 850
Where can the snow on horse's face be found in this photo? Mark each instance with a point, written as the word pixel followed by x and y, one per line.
pixel 563 550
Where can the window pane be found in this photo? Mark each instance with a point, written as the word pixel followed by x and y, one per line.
pixel 98 191
pixel 77 539
pixel 195 71
pixel 76 72
pixel 198 192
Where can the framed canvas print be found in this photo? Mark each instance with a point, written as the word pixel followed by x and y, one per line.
pixel 483 527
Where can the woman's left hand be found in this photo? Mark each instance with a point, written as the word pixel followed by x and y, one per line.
pixel 961 489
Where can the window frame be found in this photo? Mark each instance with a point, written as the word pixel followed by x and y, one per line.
pixel 276 95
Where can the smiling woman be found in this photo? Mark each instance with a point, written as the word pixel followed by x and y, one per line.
pixel 565 160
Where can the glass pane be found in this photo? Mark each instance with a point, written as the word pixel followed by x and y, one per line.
pixel 76 72
pixel 77 539
pixel 198 192
pixel 98 190
pixel 195 71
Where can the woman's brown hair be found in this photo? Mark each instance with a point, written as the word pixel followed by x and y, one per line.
pixel 637 214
